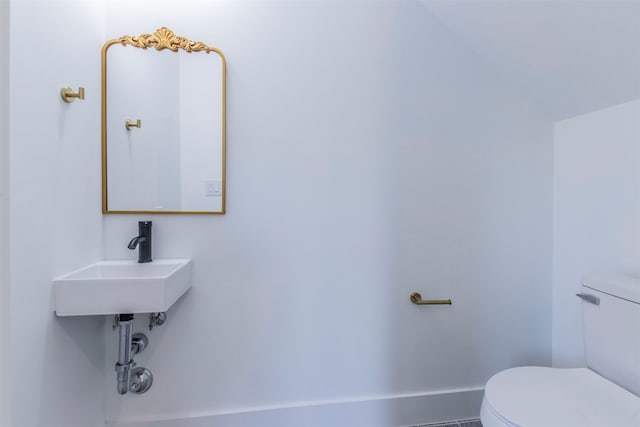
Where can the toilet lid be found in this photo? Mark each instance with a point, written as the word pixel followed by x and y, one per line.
pixel 551 397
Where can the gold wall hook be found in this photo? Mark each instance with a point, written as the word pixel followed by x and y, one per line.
pixel 416 298
pixel 68 95
pixel 129 124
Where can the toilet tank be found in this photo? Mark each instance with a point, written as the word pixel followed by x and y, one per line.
pixel 612 328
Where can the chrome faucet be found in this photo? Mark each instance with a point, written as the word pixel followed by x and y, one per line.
pixel 143 240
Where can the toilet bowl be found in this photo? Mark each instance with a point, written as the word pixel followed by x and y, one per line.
pixel 551 397
pixel 605 394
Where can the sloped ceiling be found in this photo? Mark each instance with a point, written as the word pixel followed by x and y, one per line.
pixel 571 56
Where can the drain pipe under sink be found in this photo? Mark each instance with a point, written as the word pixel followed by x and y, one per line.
pixel 130 378
pixel 125 353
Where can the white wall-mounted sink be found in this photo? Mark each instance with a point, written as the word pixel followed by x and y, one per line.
pixel 114 287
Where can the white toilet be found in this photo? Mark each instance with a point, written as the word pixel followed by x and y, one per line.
pixel 606 394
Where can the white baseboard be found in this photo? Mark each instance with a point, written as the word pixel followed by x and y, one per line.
pixel 390 411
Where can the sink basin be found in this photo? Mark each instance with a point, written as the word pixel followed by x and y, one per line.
pixel 114 287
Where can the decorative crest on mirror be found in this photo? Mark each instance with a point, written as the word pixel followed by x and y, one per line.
pixel 164 38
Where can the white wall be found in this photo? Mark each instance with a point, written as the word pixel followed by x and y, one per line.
pixel 370 155
pixel 56 365
pixel 5 406
pixel 596 212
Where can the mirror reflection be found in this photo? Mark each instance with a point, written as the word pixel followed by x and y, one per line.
pixel 163 125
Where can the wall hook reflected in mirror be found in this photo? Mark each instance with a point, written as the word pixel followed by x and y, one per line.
pixel 68 95
pixel 129 124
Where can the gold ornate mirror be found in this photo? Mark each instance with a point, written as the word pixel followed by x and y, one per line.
pixel 163 125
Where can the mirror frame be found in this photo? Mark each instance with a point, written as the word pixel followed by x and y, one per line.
pixel 163 38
